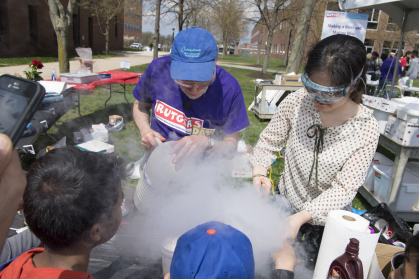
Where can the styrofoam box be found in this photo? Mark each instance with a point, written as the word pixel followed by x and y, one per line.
pixel 379 159
pixel 78 78
pixel 98 132
pixel 371 101
pixel 96 146
pixel 382 118
pixel 402 132
pixel 401 102
pixel 409 113
pixel 409 191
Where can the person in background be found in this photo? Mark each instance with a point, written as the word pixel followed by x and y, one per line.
pixel 404 61
pixel 12 185
pixel 386 77
pixel 379 63
pixel 392 54
pixel 413 71
pixel 192 101
pixel 227 253
pixel 410 268
pixel 371 69
pixel 331 137
pixel 151 46
pixel 72 203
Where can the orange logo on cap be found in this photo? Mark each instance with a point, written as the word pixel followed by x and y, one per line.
pixel 211 232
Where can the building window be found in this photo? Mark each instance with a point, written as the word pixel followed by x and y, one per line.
pixel 280 26
pixel 369 45
pixel 33 24
pixel 333 6
pixel 126 27
pixel 391 25
pixel 392 46
pixel 373 17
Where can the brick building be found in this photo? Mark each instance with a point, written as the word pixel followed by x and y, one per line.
pixel 26 30
pixel 382 33
pixel 133 20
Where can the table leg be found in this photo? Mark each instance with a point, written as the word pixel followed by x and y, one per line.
pixel 397 177
pixel 78 106
pixel 125 95
pixel 110 94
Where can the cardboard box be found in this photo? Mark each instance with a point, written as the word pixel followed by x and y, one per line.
pixel 288 80
pixel 381 264
pixel 402 132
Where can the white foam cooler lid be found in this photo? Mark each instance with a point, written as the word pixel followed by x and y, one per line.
pixel 411 109
pixel 405 100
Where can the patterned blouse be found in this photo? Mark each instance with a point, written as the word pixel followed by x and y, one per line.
pixel 343 162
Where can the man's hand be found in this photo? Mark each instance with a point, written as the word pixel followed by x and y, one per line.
pixel 295 222
pixel 147 139
pixel 284 258
pixel 12 185
pixel 189 146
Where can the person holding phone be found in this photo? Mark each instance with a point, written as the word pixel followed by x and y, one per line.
pixel 12 185
pixel 330 136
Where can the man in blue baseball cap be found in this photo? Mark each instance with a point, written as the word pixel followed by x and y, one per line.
pixel 215 250
pixel 192 101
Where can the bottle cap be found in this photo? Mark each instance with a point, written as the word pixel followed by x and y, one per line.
pixel 353 246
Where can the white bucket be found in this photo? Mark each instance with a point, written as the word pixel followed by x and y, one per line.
pixel 409 113
pixel 167 249
pixel 379 159
pixel 382 118
pixel 409 191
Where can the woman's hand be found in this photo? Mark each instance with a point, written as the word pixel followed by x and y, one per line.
pixel 262 185
pixel 295 222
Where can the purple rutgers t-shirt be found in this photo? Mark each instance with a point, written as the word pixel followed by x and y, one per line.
pixel 220 111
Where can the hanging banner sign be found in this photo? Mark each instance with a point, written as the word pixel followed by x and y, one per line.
pixel 352 24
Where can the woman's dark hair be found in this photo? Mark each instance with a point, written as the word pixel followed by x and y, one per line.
pixel 69 191
pixel 412 246
pixel 342 57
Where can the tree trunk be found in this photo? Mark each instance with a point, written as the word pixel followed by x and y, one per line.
pixel 180 15
pixel 224 48
pixel 63 50
pixel 298 46
pixel 287 46
pixel 259 42
pixel 107 38
pixel 157 31
pixel 267 51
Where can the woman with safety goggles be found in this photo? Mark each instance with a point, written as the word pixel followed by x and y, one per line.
pixel 330 136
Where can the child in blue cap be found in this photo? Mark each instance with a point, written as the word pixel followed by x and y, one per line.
pixel 215 250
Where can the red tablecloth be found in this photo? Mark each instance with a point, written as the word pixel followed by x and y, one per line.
pixel 116 77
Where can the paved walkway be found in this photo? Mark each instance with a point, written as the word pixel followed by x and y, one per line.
pixel 112 63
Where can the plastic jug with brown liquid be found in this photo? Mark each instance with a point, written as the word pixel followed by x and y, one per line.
pixel 347 266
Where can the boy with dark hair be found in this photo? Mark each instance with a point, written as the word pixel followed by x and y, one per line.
pixel 214 250
pixel 410 267
pixel 72 203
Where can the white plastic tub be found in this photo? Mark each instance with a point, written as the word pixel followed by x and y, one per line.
pixel 379 159
pixel 409 191
pixel 409 113
pixel 167 249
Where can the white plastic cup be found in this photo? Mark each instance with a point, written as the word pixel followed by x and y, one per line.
pixel 411 83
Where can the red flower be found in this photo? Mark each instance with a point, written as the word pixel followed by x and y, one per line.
pixel 37 64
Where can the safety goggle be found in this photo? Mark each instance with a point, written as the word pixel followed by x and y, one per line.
pixel 197 85
pixel 326 94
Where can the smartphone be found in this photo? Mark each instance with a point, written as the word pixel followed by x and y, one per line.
pixel 19 100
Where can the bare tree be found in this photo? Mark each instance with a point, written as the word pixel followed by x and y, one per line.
pixel 299 43
pixel 259 41
pixel 61 21
pixel 105 11
pixel 156 30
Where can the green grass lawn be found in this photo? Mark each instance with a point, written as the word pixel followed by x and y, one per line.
pixel 127 142
pixel 273 64
pixel 16 61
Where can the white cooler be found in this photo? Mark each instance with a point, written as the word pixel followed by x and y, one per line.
pixel 379 159
pixel 409 113
pixel 409 191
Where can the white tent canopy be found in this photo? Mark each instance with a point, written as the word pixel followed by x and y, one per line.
pixel 394 8
pixel 405 14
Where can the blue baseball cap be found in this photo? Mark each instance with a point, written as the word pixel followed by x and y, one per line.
pixel 194 51
pixel 213 250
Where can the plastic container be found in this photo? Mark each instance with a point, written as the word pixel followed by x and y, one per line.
pixel 409 191
pixel 378 159
pixel 167 249
pixel 53 77
pixel 78 78
pixel 401 102
pixel 409 113
pixel 348 265
pixel 96 146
